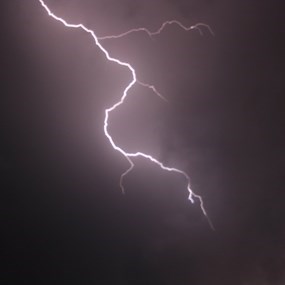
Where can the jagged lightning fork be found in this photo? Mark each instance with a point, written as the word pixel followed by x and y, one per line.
pixel 134 80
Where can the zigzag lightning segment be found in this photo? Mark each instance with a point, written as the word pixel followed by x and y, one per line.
pixel 128 156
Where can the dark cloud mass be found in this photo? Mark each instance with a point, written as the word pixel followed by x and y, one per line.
pixel 63 217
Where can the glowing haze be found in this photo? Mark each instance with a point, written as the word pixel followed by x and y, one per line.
pixel 134 81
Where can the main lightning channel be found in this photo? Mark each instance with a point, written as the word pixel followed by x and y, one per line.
pixel 134 81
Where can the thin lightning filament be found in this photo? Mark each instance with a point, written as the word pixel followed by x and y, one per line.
pixel 128 156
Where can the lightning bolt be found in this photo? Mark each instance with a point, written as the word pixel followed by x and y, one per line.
pixel 128 156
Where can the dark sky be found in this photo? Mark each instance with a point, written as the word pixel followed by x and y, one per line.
pixel 63 217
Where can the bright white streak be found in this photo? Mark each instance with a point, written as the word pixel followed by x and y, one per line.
pixel 134 80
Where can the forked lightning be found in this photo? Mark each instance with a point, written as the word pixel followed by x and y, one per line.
pixel 128 155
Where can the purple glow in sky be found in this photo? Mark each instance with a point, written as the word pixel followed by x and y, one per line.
pixel 210 106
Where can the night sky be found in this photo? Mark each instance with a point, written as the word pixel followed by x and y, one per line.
pixel 63 217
